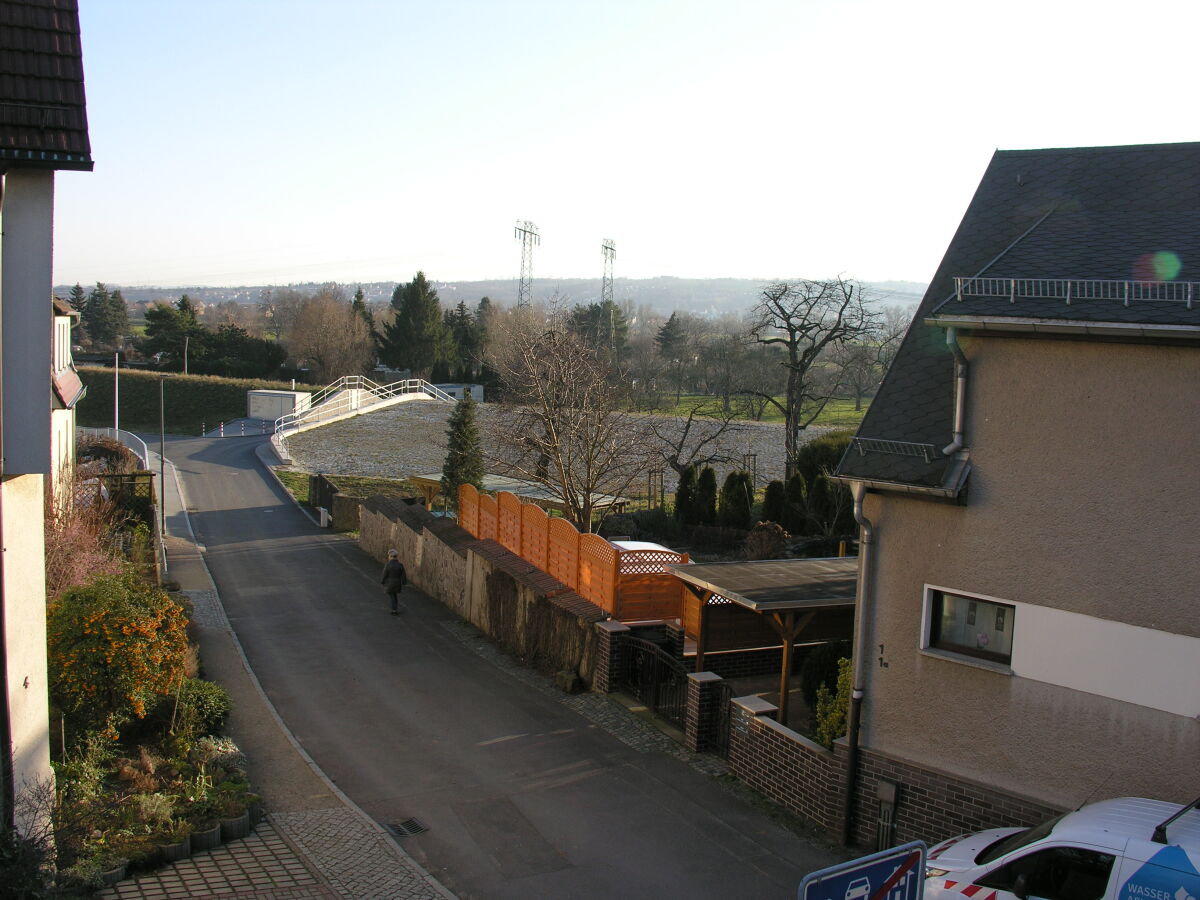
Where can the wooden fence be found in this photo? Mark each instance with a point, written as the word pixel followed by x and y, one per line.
pixel 630 585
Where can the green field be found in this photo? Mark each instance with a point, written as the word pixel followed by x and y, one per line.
pixel 837 413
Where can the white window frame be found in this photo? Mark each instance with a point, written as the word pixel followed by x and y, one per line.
pixel 925 636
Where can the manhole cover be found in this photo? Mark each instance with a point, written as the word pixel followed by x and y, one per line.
pixel 407 828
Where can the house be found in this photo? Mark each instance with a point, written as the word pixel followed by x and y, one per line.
pixel 43 129
pixel 66 391
pixel 1029 636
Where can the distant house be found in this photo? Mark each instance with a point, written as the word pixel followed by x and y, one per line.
pixel 1028 470
pixel 66 391
pixel 43 128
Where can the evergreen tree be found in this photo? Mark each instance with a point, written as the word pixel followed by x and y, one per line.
pixel 359 304
pixel 672 341
pixel 773 503
pixel 417 337
pixel 736 501
pixel 105 317
pixel 706 497
pixel 602 327
pixel 685 496
pixel 793 506
pixel 78 298
pixel 464 453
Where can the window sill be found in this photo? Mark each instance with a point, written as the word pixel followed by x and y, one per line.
pixel 998 668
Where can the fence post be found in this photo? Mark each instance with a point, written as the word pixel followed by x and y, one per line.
pixel 222 430
pixel 609 656
pixel 201 429
pixel 698 714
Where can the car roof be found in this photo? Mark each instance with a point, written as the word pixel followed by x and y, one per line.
pixel 1112 822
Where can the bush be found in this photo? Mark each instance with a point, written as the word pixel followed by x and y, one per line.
pixel 815 503
pixel 22 866
pixel 832 707
pixel 115 645
pixel 203 707
pixel 685 497
pixel 820 668
pixel 736 501
pixel 773 504
pixel 766 540
pixel 705 511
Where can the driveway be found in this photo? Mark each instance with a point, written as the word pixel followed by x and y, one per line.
pixel 519 794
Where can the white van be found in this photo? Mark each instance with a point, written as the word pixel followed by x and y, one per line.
pixel 1124 849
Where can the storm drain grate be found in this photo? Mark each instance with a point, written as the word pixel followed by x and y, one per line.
pixel 407 828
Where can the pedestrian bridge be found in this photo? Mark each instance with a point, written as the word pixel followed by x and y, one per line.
pixel 353 395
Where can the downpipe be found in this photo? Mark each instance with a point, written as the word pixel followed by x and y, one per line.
pixel 866 541
pixel 960 392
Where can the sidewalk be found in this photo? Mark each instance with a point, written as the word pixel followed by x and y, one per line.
pixel 314 842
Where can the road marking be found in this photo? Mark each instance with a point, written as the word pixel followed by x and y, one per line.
pixel 507 737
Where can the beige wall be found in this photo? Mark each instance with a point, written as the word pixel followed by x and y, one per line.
pixel 1084 497
pixel 23 594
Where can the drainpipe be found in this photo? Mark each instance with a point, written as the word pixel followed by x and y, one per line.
pixel 866 540
pixel 960 392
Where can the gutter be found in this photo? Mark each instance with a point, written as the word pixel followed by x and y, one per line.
pixel 866 543
pixel 960 392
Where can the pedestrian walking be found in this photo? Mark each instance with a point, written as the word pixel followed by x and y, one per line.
pixel 393 580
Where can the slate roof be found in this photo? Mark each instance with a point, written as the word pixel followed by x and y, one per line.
pixel 1082 213
pixel 43 113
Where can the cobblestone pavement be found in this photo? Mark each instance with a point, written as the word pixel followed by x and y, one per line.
pixel 410 439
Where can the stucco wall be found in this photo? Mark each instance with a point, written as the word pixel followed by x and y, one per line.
pixel 1083 497
pixel 23 594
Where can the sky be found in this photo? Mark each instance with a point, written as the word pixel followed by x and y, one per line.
pixel 245 142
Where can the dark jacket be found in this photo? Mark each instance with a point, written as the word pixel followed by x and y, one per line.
pixel 393 576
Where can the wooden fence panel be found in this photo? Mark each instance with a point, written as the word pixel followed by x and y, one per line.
pixel 487 517
pixel 508 525
pixel 563 553
pixel 535 535
pixel 597 571
pixel 468 508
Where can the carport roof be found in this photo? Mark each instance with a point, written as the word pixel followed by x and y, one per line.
pixel 775 585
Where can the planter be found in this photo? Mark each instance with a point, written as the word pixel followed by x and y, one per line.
pixel 175 852
pixel 256 813
pixel 109 877
pixel 207 837
pixel 236 827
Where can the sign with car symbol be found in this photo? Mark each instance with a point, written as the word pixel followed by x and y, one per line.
pixel 895 874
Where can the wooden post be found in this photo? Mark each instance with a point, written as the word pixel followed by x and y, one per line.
pixel 702 637
pixel 789 628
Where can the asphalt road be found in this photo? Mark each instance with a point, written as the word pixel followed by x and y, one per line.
pixel 522 797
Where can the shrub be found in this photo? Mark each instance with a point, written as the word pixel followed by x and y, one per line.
pixel 115 645
pixel 820 668
pixel 766 540
pixel 685 497
pixel 736 501
pixel 22 864
pixel 203 707
pixel 772 508
pixel 820 505
pixel 832 706
pixel 705 512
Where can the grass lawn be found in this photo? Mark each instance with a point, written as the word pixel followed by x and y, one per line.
pixel 837 413
pixel 296 483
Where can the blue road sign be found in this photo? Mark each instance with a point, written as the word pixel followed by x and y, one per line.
pixel 896 874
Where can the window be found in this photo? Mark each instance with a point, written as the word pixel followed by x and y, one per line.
pixel 1056 873
pixel 971 626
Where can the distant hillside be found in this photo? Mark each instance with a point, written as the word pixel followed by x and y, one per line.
pixel 701 296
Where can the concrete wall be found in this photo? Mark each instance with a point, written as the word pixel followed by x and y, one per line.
pixel 1081 511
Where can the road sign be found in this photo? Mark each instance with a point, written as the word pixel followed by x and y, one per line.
pixel 896 874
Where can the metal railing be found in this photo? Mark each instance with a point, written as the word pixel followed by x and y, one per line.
pixel 353 393
pixel 1069 290
pixel 896 448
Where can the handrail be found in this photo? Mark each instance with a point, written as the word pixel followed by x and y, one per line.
pixel 1068 289
pixel 344 396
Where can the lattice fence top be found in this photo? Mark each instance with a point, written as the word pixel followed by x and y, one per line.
pixel 648 562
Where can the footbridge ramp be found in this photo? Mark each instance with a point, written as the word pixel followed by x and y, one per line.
pixel 354 395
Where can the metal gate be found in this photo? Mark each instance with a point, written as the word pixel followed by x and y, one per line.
pixel 722 697
pixel 656 678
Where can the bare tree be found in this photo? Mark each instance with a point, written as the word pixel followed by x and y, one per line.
pixel 330 336
pixel 761 378
pixel 563 424
pixel 279 308
pixel 697 442
pixel 805 318
pixel 861 364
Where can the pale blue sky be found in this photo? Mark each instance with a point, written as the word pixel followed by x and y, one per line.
pixel 268 141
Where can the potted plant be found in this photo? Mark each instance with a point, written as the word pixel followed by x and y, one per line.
pixel 202 812
pixel 234 814
pixel 176 841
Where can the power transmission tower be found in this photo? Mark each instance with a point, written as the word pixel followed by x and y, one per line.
pixel 609 248
pixel 527 233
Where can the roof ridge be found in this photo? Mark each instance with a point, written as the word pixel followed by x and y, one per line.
pixel 1087 151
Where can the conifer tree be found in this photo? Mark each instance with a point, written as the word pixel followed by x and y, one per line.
pixel 685 496
pixel 736 501
pixel 706 497
pixel 464 453
pixel 78 298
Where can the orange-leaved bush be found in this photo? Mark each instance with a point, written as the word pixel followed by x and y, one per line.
pixel 115 645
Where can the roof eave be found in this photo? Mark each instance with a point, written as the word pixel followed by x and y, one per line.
pixel 949 489
pixel 1077 327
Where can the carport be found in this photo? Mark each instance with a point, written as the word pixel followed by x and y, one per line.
pixel 795 597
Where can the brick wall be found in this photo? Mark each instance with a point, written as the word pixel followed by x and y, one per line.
pixel 933 805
